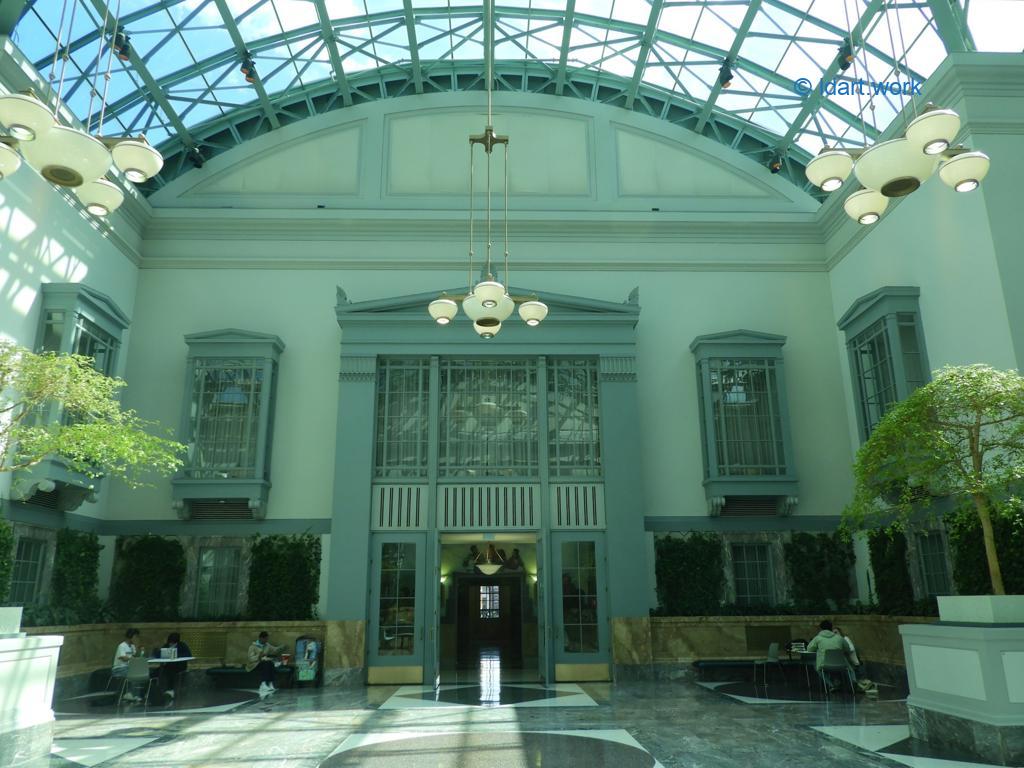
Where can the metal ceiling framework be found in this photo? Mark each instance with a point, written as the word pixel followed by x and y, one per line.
pixel 181 85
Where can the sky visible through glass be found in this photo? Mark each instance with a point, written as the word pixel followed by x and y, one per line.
pixel 192 50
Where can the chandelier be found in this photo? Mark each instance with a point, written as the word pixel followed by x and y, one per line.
pixel 488 303
pixel 897 167
pixel 67 156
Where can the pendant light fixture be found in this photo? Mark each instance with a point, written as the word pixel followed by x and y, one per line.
pixel 67 156
pixel 897 167
pixel 487 303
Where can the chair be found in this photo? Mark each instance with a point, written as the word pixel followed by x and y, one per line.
pixel 138 674
pixel 773 658
pixel 835 661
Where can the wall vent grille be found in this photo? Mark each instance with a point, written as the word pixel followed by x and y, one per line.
pixel 750 506
pixel 478 507
pixel 45 499
pixel 219 509
pixel 577 505
pixel 399 508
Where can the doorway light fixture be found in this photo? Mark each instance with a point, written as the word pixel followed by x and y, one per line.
pixel 488 303
pixel 490 561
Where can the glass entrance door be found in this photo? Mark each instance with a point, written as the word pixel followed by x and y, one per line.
pixel 580 609
pixel 396 609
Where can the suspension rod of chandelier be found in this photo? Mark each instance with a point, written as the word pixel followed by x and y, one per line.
pixel 488 303
pixel 68 156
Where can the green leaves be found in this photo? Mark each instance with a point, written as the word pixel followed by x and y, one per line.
pixel 60 405
pixel 819 569
pixel 960 437
pixel 284 578
pixel 148 575
pixel 689 574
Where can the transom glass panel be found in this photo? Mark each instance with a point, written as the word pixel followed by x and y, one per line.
pixel 397 625
pixel 490 601
pixel 579 596
pixel 225 418
pixel 218 582
pixel 27 574
pixel 752 572
pixel 574 426
pixel 403 399
pixel 747 418
pixel 488 419
pixel 934 567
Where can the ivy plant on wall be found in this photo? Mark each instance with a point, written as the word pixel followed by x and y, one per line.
pixel 6 557
pixel 689 573
pixel 148 574
pixel 284 578
pixel 892 579
pixel 819 566
pixel 967 551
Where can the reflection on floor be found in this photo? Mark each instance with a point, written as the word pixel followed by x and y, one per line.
pixel 490 695
pixel 677 723
pixel 489 668
pixel 594 748
pixel 786 692
pixel 105 703
pixel 894 742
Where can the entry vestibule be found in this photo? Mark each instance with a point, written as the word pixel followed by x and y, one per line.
pixel 525 445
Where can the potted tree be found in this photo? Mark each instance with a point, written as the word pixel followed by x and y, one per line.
pixel 956 443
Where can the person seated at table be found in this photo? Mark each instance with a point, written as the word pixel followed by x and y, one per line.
pixel 260 653
pixel 826 640
pixel 170 671
pixel 124 653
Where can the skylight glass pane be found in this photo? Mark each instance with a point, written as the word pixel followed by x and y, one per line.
pixel 997 25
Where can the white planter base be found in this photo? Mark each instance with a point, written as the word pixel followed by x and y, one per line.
pixel 982 609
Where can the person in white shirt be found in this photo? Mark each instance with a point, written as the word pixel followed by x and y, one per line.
pixel 123 654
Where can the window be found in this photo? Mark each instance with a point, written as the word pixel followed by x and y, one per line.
pixel 488 419
pixel 934 567
pixel 885 342
pixel 745 439
pixel 228 424
pixel 490 602
pixel 752 572
pixel 218 582
pixel 397 617
pixel 226 401
pixel 27 574
pixel 574 427
pixel 579 596
pixel 403 399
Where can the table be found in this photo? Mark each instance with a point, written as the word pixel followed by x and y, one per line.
pixel 807 658
pixel 171 661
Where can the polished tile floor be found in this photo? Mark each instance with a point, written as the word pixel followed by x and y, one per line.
pixel 673 723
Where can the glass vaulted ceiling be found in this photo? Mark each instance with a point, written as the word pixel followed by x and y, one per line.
pixel 182 85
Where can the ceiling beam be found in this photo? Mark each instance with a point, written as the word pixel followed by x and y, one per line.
pixel 645 49
pixel 741 35
pixel 814 98
pixel 952 25
pixel 242 51
pixel 414 48
pixel 332 52
pixel 563 54
pixel 152 87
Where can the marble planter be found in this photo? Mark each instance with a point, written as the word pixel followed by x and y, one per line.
pixel 967 688
pixel 28 668
pixel 982 609
pixel 10 622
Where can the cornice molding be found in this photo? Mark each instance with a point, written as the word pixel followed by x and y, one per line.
pixel 616 368
pixel 358 368
pixel 600 227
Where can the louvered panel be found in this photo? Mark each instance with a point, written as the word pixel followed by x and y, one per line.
pixel 750 506
pixel 219 509
pixel 577 505
pixel 488 507
pixel 399 508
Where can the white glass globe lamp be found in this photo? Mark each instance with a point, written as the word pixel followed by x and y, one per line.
pixel 487 327
pixel 895 168
pixel 865 206
pixel 100 197
pixel 10 160
pixel 933 131
pixel 443 310
pixel 964 172
pixel 67 157
pixel 25 116
pixel 136 159
pixel 829 169
pixel 533 312
pixel 489 292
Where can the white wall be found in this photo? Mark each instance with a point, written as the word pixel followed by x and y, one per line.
pixel 44 239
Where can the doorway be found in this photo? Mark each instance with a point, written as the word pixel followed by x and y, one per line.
pixel 488 617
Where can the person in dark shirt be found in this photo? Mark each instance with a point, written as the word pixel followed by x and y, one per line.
pixel 171 671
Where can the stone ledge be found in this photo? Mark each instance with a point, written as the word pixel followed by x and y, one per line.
pixel 1000 745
